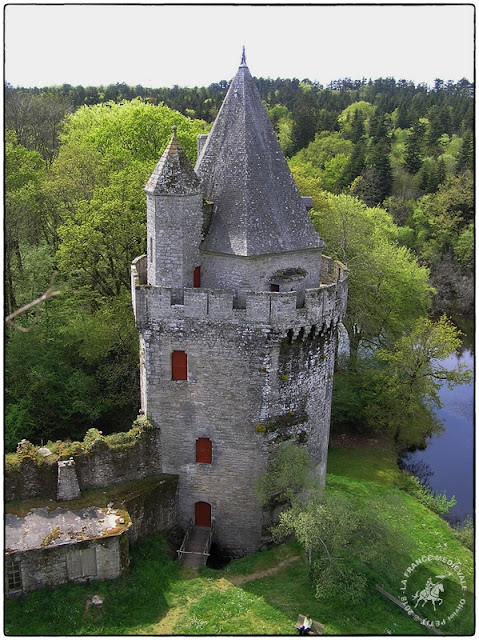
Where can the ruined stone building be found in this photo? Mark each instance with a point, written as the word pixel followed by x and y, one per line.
pixel 237 311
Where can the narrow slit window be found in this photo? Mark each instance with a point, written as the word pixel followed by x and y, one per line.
pixel 179 365
pixel 197 278
pixel 203 450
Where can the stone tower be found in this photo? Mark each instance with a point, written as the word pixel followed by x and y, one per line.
pixel 237 311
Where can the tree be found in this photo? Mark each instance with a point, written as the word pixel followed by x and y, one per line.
pixel 388 290
pixel 24 175
pixel 73 371
pixel 465 160
pixel 325 146
pixel 78 367
pixel 409 381
pixel 287 474
pixel 36 120
pixel 440 218
pixel 97 188
pixel 333 533
pixel 350 118
pixel 305 115
pixel 414 146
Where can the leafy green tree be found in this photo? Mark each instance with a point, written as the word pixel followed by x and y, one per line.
pixel 77 367
pixel 387 288
pixel 36 120
pixel 341 545
pixel 282 122
pixel 350 117
pixel 288 472
pixel 408 385
pixel 325 146
pixel 440 218
pixel 97 188
pixel 24 226
pixel 73 371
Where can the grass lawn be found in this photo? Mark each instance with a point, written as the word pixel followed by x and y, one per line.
pixel 264 592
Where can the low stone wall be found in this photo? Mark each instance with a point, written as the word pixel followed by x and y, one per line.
pixel 155 509
pixel 104 466
pixel 97 463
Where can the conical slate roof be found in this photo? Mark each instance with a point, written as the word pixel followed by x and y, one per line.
pixel 173 175
pixel 258 209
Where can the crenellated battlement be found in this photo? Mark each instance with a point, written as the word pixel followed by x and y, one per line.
pixel 323 306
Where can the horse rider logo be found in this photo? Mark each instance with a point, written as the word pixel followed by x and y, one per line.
pixel 430 593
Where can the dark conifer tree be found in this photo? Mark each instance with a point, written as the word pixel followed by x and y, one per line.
pixel 413 156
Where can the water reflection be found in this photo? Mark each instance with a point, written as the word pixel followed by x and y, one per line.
pixel 447 463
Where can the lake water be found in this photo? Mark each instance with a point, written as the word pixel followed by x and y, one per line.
pixel 450 455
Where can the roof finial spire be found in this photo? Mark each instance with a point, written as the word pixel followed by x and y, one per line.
pixel 243 59
pixel 173 129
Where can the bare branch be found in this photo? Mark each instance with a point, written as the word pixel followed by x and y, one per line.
pixel 49 293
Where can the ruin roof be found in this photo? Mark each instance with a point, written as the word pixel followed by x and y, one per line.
pixel 42 528
pixel 258 209
pixel 174 174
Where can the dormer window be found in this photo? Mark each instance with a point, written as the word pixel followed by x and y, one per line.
pixel 274 287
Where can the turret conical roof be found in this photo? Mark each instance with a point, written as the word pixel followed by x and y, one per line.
pixel 258 209
pixel 173 175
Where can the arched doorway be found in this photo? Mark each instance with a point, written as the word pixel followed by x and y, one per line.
pixel 202 514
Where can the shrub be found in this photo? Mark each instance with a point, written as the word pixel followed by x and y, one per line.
pixel 437 502
pixel 464 532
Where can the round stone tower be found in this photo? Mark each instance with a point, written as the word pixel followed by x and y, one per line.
pixel 237 311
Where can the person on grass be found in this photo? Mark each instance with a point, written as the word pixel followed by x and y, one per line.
pixel 307 623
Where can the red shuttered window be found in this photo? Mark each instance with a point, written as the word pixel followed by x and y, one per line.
pixel 179 366
pixel 203 450
pixel 197 277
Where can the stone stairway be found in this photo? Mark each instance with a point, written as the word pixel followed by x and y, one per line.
pixel 193 554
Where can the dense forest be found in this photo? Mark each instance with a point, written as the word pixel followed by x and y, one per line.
pixel 389 166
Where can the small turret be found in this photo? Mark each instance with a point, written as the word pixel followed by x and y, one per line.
pixel 174 219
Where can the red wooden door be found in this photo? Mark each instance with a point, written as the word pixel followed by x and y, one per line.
pixel 202 514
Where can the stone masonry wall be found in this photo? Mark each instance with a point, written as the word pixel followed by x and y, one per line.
pixel 48 567
pixel 154 511
pixel 290 271
pixel 100 467
pixel 218 401
pixel 268 361
pixel 174 232
pixel 322 305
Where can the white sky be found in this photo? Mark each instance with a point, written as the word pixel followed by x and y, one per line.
pixel 161 45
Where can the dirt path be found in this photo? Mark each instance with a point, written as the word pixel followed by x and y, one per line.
pixel 237 580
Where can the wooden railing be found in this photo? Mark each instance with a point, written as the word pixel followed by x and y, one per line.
pixel 181 550
pixel 206 550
